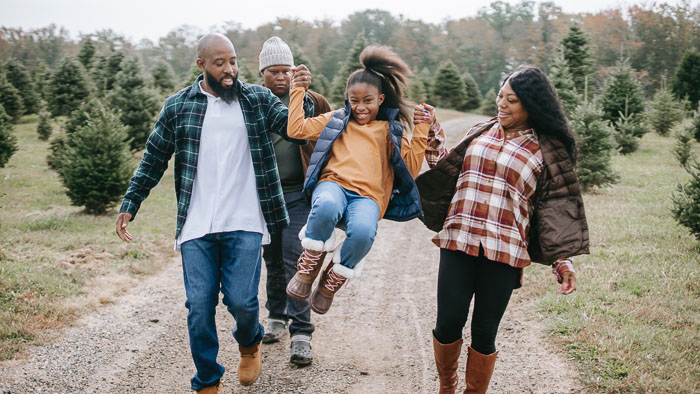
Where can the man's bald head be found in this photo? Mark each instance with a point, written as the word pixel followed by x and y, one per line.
pixel 211 40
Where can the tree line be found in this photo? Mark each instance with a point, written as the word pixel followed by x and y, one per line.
pixel 604 66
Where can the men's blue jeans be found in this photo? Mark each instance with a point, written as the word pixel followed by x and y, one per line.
pixel 329 204
pixel 229 262
pixel 281 257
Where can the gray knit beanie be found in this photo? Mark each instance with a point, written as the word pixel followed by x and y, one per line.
pixel 275 52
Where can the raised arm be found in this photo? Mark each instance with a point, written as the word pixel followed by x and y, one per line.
pixel 298 126
pixel 413 152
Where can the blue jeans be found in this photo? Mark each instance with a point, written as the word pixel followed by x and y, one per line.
pixel 329 204
pixel 281 257
pixel 229 262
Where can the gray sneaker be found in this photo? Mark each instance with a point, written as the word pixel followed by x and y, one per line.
pixel 274 331
pixel 301 350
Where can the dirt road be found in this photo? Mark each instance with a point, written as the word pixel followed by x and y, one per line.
pixel 375 339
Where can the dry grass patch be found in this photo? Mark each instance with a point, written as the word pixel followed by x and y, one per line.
pixel 56 262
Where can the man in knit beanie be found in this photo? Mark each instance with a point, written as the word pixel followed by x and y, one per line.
pixel 281 255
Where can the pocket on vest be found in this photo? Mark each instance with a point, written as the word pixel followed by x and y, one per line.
pixel 559 227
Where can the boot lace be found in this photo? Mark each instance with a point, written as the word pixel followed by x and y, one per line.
pixel 309 261
pixel 334 281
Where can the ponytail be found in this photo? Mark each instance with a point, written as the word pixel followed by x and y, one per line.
pixel 384 69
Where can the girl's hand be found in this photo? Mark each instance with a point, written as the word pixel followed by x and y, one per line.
pixel 424 113
pixel 568 283
pixel 301 77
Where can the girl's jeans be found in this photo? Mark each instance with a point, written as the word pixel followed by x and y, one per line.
pixel 329 204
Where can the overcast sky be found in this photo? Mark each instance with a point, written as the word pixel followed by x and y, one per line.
pixel 137 19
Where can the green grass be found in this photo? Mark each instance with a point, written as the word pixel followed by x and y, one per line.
pixel 634 321
pixel 51 251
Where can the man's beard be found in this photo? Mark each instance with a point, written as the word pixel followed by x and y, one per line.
pixel 228 94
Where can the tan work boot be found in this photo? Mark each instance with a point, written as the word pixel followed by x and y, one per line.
pixel 218 389
pixel 330 283
pixel 446 361
pixel 250 366
pixel 479 371
pixel 308 266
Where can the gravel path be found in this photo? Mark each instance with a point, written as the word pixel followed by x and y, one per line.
pixel 376 338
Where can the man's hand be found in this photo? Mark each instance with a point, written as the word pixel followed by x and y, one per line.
pixel 301 76
pixel 568 283
pixel 123 221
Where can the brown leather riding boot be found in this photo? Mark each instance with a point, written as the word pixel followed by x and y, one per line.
pixel 250 366
pixel 330 283
pixel 479 370
pixel 446 361
pixel 308 266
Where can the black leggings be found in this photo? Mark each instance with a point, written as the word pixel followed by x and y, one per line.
pixel 462 276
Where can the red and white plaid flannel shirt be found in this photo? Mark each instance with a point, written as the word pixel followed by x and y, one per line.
pixel 490 207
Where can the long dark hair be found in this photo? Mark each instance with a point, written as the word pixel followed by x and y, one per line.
pixel 384 69
pixel 544 110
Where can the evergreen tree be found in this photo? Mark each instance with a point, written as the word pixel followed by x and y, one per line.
pixel 21 79
pixel 44 128
pixel 449 90
pixel 628 133
pixel 247 76
pixel 471 92
pixel 686 201
pixel 621 91
pixel 68 87
pixel 41 75
pixel 105 73
pixel 686 80
pixel 320 84
pixel 577 55
pixel 301 58
pixel 427 79
pixel 352 63
pixel 97 164
pixel 194 73
pixel 163 78
pixel 563 83
pixel 684 147
pixel 696 124
pixel 90 108
pixel 87 53
pixel 57 147
pixel 595 145
pixel 137 104
pixel 664 112
pixel 10 99
pixel 416 91
pixel 8 142
pixel 488 105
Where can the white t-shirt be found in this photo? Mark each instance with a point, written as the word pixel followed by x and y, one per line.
pixel 224 194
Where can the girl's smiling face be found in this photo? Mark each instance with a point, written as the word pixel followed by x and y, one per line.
pixel 365 100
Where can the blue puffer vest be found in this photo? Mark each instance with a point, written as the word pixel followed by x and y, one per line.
pixel 405 201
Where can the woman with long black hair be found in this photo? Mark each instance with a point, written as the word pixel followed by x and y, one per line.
pixel 505 196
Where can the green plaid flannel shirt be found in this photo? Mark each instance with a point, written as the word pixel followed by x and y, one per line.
pixel 178 130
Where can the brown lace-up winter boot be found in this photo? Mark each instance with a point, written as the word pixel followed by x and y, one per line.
pixel 446 361
pixel 330 283
pixel 308 266
pixel 479 371
pixel 250 365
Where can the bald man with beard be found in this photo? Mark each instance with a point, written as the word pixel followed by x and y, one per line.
pixel 229 196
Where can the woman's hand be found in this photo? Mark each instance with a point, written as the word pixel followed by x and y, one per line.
pixel 568 283
pixel 424 113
